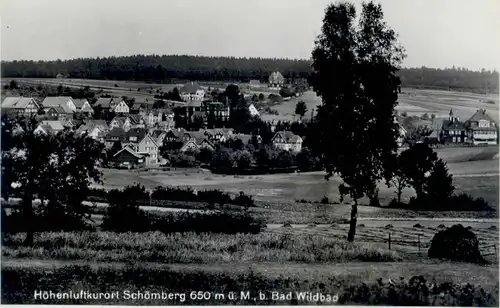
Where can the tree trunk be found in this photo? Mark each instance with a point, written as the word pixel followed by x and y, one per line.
pixel 400 192
pixel 354 219
pixel 28 215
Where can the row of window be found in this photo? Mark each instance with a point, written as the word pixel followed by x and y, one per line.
pixel 486 132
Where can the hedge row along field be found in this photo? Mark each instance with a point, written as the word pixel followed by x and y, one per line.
pixel 19 285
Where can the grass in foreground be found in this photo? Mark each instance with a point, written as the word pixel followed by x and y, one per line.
pixel 193 248
pixel 19 285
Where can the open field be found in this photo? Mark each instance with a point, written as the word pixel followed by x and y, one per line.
pixel 475 171
pixel 412 101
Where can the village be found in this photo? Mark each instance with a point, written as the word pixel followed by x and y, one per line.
pixel 137 132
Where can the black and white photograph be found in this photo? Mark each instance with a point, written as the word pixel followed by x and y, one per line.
pixel 263 152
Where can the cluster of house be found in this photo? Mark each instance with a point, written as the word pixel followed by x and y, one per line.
pixel 141 132
pixel 480 129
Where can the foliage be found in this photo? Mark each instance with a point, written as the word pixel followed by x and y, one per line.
pixel 439 185
pixel 244 200
pixel 222 160
pixel 19 285
pixel 457 244
pixel 56 168
pixel 416 163
pixel 183 160
pixel 301 108
pixel 354 72
pixel 123 213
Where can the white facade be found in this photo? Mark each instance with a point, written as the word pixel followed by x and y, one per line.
pixel 198 96
pixel 121 107
pixel 484 136
pixel 150 147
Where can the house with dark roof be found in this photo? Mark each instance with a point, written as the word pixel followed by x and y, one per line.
pixel 114 135
pixel 288 141
pixel 135 135
pixel 137 121
pixel 481 129
pixel 453 131
pixel 128 158
pixel 104 102
pixel 20 105
pixel 192 91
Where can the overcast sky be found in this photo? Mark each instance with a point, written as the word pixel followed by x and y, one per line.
pixel 435 33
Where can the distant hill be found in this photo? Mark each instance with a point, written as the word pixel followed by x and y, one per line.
pixel 172 68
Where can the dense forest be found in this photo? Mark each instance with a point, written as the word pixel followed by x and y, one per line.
pixel 173 68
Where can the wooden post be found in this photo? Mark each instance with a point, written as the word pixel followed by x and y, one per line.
pixel 389 240
pixel 419 244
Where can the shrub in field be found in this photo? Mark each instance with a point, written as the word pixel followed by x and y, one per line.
pixel 19 285
pixel 214 196
pixel 97 194
pixel 244 200
pixel 417 226
pixel 456 243
pixel 173 193
pixel 47 221
pixel 325 200
pixel 220 222
pixel 123 213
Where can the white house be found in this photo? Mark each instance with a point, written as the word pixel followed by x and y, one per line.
pixel 253 110
pixel 192 92
pixel 20 105
pixel 121 122
pixel 65 102
pixel 83 106
pixel 149 148
pixel 481 129
pixel 286 140
pixel 120 106
pixel 276 80
pixel 49 127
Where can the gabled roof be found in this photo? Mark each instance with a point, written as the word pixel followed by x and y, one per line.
pixel 79 103
pixel 480 115
pixel 157 133
pixel 54 125
pixel 287 136
pixel 127 149
pixel 120 120
pixel 140 133
pixel 104 102
pixel 150 137
pixel 101 123
pixel 56 100
pixel 46 128
pixel 135 118
pixel 116 132
pixel 190 88
pixel 245 138
pixel 61 109
pixel 18 102
pixel 447 124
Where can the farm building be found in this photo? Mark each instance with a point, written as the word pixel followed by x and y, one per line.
pixel 128 158
pixel 276 80
pixel 192 91
pixel 20 105
pixel 288 141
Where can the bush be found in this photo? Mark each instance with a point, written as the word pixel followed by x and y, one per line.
pixel 47 221
pixel 174 193
pixel 214 196
pixel 417 226
pixel 325 200
pixel 19 285
pixel 219 222
pixel 244 200
pixel 457 244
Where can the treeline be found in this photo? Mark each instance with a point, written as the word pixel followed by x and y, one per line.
pixel 174 68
